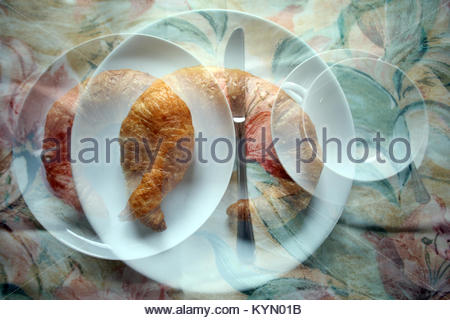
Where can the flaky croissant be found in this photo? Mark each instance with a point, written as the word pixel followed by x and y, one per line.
pixel 159 120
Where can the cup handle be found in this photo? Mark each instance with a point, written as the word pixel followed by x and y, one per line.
pixel 296 91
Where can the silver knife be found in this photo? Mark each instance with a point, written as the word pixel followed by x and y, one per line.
pixel 235 59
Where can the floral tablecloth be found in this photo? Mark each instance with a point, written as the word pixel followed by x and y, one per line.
pixel 386 244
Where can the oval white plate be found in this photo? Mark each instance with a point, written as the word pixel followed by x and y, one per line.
pixel 207 261
pixel 101 186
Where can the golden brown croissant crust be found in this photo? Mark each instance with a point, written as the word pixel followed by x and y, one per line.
pixel 158 117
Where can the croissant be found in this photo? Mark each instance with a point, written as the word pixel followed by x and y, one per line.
pixel 160 113
pixel 159 119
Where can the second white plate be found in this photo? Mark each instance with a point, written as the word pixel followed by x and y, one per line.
pixel 101 186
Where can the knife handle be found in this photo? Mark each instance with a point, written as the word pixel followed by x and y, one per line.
pixel 245 242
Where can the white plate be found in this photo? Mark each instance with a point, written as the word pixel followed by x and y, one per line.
pixel 207 261
pixel 101 186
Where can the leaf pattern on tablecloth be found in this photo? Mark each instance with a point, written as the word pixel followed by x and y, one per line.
pixel 416 265
pixel 290 52
pixel 176 29
pixel 218 21
pixel 392 248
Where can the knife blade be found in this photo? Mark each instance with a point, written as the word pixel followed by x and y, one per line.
pixel 235 59
pixel 235 50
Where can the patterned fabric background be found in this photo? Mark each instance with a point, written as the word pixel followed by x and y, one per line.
pixel 396 249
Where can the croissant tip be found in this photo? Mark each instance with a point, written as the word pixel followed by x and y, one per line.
pixel 154 221
pixel 162 227
pixel 158 227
